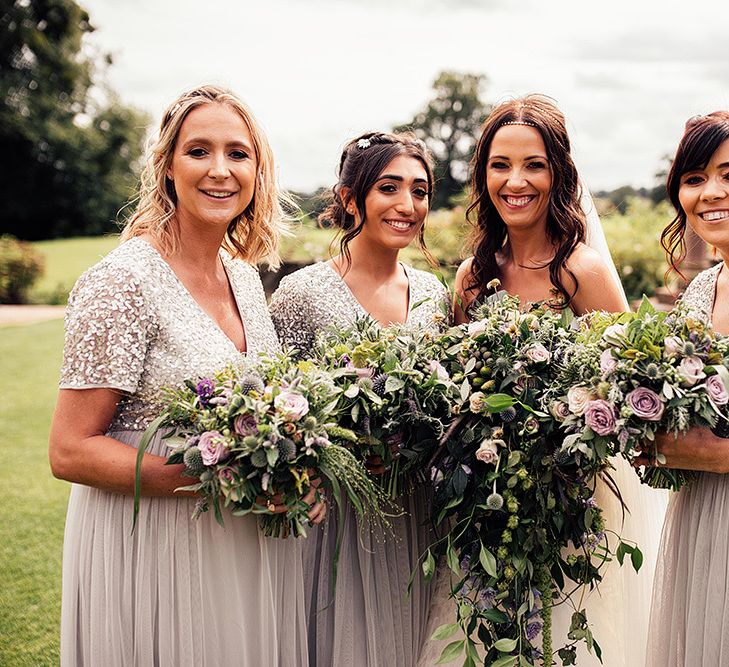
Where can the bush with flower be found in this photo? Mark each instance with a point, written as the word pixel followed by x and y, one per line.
pixel 626 376
pixel 268 432
pixel 525 532
pixel 394 394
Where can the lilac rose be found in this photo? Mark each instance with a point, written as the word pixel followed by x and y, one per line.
pixel 245 425
pixel 716 390
pixel 600 417
pixel 691 370
pixel 291 405
pixel 560 410
pixel 213 447
pixel 645 403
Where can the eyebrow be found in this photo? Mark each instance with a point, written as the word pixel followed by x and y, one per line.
pixel 528 157
pixel 207 142
pixel 394 177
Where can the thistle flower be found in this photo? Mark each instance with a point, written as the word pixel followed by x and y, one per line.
pixel 193 461
pixel 259 459
pixel 508 415
pixel 495 501
pixel 378 383
pixel 286 449
pixel 251 382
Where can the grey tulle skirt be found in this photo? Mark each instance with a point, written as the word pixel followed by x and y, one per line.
pixel 370 620
pixel 176 591
pixel 690 615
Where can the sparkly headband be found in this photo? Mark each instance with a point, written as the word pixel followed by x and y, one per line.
pixel 518 122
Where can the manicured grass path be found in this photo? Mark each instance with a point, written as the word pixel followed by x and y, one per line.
pixel 34 503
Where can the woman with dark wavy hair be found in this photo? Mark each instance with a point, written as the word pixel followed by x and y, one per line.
pixel 532 235
pixel 379 204
pixel 690 614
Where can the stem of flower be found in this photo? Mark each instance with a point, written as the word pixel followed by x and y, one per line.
pixel 545 588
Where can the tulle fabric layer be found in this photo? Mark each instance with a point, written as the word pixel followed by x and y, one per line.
pixel 690 616
pixel 175 591
pixel 370 620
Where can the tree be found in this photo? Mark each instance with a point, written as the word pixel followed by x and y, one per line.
pixel 449 125
pixel 70 159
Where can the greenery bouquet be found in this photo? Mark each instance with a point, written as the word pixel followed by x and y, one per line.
pixel 266 433
pixel 627 376
pixel 525 531
pixel 394 394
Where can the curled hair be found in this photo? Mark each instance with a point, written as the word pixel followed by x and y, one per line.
pixel 363 160
pixel 702 136
pixel 566 226
pixel 253 235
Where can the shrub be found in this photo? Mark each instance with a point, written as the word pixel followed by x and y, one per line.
pixel 634 241
pixel 20 266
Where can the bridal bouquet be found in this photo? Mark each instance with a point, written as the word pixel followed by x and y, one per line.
pixel 627 376
pixel 526 531
pixel 263 435
pixel 393 393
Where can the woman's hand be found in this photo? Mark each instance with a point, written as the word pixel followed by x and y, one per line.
pixel 697 449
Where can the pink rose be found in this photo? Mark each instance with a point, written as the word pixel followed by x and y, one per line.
pixel 560 410
pixel 537 353
pixel 577 399
pixel 607 362
pixel 245 425
pixel 488 452
pixel 600 417
pixel 213 447
pixel 691 370
pixel 716 390
pixel 645 403
pixel 291 405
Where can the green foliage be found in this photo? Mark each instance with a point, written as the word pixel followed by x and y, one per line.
pixel 449 125
pixel 20 267
pixel 31 535
pixel 634 241
pixel 78 153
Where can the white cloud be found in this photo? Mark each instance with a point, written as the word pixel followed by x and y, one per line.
pixel 627 74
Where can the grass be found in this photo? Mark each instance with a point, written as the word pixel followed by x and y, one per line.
pixel 65 261
pixel 31 533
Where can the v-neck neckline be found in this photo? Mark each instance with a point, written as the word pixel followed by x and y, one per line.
pixel 207 315
pixel 362 309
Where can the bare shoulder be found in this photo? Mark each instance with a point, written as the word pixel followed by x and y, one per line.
pixel 587 262
pixel 464 272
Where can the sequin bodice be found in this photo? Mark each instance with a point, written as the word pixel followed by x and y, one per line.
pixel 701 292
pixel 131 325
pixel 316 298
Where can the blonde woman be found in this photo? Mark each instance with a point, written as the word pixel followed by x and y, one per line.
pixel 177 299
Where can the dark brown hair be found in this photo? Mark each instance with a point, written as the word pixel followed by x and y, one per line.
pixel 363 160
pixel 565 218
pixel 702 136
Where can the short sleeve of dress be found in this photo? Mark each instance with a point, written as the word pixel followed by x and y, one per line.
pixel 292 317
pixel 108 329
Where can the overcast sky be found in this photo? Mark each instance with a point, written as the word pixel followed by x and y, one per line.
pixel 627 73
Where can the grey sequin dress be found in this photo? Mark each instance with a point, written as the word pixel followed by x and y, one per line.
pixel 177 591
pixel 370 621
pixel 689 624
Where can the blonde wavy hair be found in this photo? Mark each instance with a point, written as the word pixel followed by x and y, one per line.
pixel 254 235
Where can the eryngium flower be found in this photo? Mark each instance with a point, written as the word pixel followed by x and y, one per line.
pixel 508 415
pixel 286 449
pixel 495 501
pixel 251 382
pixel 378 383
pixel 193 461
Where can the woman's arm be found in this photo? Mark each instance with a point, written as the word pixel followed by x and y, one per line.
pixel 80 452
pixel 697 449
pixel 463 296
pixel 596 286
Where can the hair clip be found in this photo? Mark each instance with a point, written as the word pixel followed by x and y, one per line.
pixel 174 109
pixel 518 122
pixel 364 143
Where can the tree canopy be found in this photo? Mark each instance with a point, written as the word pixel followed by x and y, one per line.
pixel 449 125
pixel 71 146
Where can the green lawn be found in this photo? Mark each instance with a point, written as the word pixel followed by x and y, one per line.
pixel 31 532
